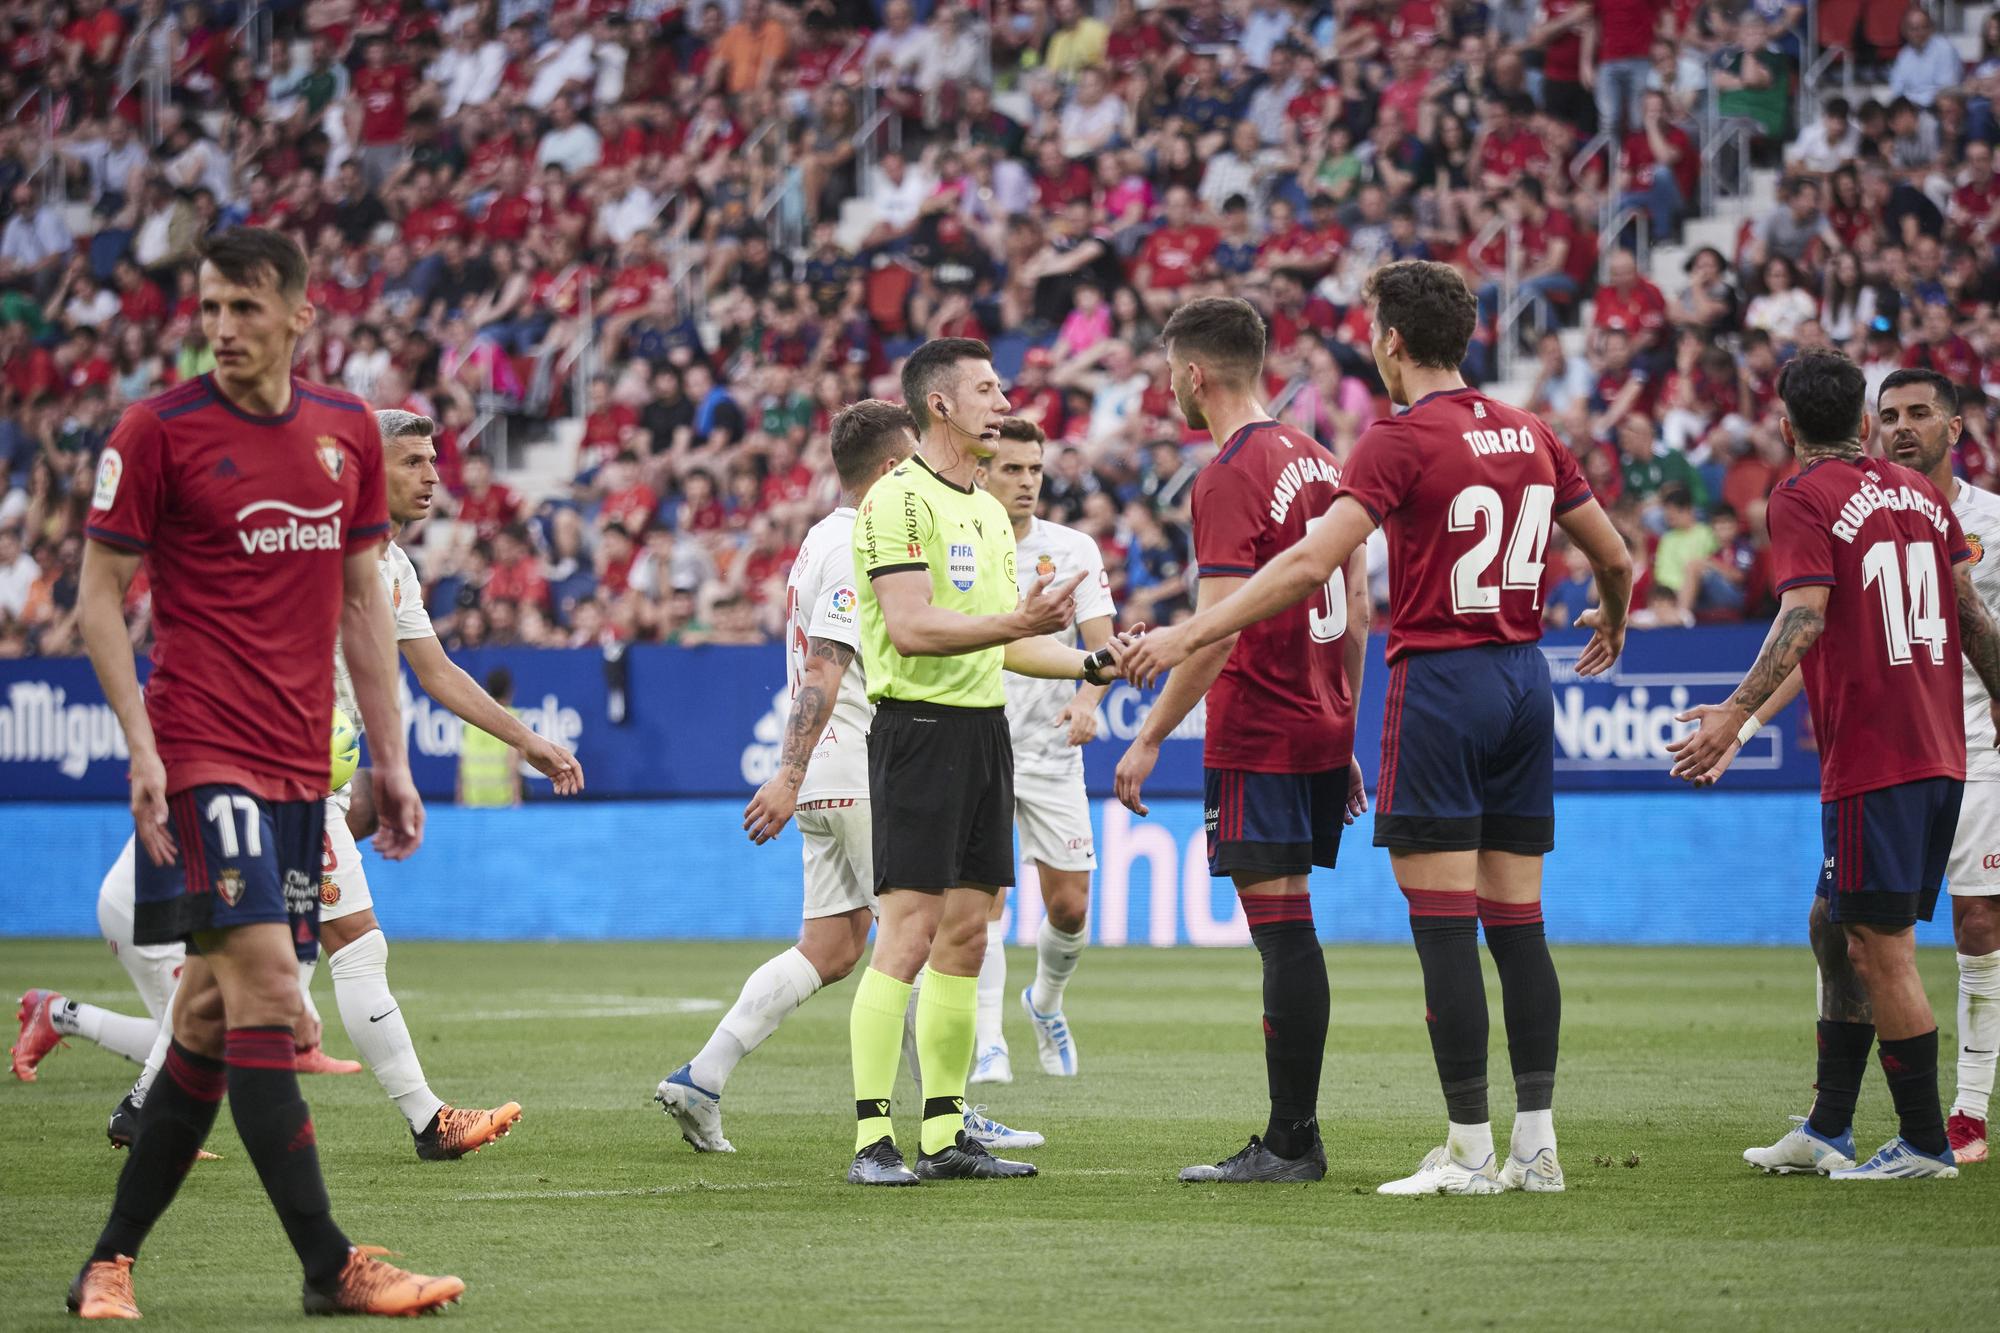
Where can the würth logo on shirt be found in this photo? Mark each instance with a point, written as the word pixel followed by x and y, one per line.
pixel 297 530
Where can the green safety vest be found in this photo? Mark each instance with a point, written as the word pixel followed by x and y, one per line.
pixel 485 770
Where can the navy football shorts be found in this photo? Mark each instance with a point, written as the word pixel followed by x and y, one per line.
pixel 243 860
pixel 1272 824
pixel 1886 850
pixel 1468 753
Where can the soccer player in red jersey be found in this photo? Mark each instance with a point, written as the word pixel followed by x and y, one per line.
pixel 1279 747
pixel 256 501
pixel 1862 549
pixel 1465 489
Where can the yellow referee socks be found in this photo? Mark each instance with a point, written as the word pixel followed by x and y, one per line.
pixel 875 1041
pixel 947 1007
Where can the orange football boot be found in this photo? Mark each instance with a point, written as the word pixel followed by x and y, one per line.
pixel 314 1060
pixel 454 1133
pixel 103 1290
pixel 367 1285
pixel 38 1035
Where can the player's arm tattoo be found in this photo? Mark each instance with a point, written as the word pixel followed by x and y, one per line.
pixel 1794 631
pixel 814 704
pixel 1978 636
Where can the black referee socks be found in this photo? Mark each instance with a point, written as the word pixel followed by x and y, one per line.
pixel 1296 1003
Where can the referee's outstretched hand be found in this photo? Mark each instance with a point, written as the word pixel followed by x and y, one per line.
pixel 1048 608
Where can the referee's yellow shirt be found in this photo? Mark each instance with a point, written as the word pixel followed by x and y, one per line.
pixel 915 519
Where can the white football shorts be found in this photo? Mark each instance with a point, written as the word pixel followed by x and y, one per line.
pixel 343 884
pixel 1974 869
pixel 839 857
pixel 1053 814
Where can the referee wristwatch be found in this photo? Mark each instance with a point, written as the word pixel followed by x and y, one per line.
pixel 1095 663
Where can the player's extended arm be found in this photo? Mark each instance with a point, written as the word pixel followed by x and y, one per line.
pixel 919 628
pixel 1079 716
pixel 1354 658
pixel 100 598
pixel 1307 565
pixel 1611 564
pixel 1801 620
pixel 447 682
pixel 368 642
pixel 1045 658
pixel 1979 637
pixel 1193 673
pixel 1781 699
pixel 812 708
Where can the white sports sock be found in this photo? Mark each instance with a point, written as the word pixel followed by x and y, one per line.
pixel 374 1023
pixel 306 971
pixel 1056 954
pixel 1469 1145
pixel 156 1060
pixel 119 1033
pixel 1533 1131
pixel 1978 1031
pixel 774 990
pixel 992 989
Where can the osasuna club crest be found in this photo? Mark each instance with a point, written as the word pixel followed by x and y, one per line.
pixel 328 451
pixel 229 886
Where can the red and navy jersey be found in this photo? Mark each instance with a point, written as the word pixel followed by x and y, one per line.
pixel 1883 679
pixel 1282 703
pixel 1464 488
pixel 245 523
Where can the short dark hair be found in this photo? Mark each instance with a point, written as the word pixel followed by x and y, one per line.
pixel 1430 305
pixel 1022 429
pixel 250 255
pixel 1677 495
pixel 929 364
pixel 1224 333
pixel 863 433
pixel 1836 106
pixel 500 683
pixel 1946 391
pixel 1825 395
pixel 1531 187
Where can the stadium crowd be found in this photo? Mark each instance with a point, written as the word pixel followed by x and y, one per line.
pixel 477 184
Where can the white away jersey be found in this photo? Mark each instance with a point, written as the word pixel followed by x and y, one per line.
pixel 1032 705
pixel 405 592
pixel 822 602
pixel 1979 514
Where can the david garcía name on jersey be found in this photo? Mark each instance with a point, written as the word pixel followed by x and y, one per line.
pixel 1298 474
pixel 1873 496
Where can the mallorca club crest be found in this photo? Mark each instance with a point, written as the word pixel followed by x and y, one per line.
pixel 1972 539
pixel 329 892
pixel 327 450
pixel 1045 564
pixel 229 886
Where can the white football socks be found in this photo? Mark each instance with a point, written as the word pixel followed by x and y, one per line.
pixel 156 1060
pixel 374 1023
pixel 992 990
pixel 1533 1131
pixel 1056 953
pixel 120 1033
pixel 1978 1031
pixel 772 992
pixel 1469 1145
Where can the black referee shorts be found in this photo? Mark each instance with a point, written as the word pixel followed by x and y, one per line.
pixel 941 795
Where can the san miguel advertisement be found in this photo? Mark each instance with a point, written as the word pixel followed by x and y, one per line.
pixel 662 722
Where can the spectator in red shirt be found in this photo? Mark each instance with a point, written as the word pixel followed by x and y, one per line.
pixel 379 111
pixel 608 430
pixel 1942 350
pixel 517 574
pixel 1567 27
pixel 1174 256
pixel 629 503
pixel 488 506
pixel 1544 235
pixel 1633 306
pixel 1655 155
pixel 1625 31
pixel 140 301
pixel 95 36
pixel 1507 147
pixel 1035 399
pixel 432 216
pixel 1975 204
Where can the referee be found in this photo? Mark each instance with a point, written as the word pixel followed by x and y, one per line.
pixel 939 622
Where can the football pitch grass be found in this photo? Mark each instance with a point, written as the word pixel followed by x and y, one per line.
pixel 595 1215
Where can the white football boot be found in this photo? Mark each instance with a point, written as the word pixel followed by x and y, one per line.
pixel 1802 1149
pixel 1440 1173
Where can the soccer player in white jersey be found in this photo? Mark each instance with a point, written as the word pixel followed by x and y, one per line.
pixel 1920 428
pixel 1048 720
pixel 822 777
pixel 357 951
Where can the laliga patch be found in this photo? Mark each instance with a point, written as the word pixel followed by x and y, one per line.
pixel 327 450
pixel 840 605
pixel 110 468
pixel 961 566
